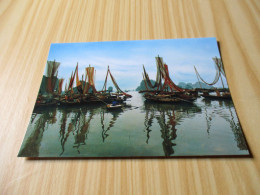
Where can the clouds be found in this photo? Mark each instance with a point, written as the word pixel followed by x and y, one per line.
pixel 125 59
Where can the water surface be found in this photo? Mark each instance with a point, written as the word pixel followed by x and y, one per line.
pixel 139 129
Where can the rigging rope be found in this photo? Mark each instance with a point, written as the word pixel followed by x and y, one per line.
pixel 214 81
pixel 149 81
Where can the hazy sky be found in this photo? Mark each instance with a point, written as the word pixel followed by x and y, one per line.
pixel 125 59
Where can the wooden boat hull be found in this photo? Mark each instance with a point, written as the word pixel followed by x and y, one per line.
pixel 116 107
pixel 69 103
pixel 215 97
pixel 169 98
pixel 86 101
pixel 163 100
pixel 40 105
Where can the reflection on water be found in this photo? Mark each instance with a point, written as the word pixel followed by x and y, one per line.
pixel 167 116
pixel 105 130
pixel 139 129
pixel 226 111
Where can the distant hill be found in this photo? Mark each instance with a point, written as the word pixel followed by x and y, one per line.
pixel 142 86
pixel 194 86
pixel 181 84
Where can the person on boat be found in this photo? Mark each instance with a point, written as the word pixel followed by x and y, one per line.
pixel 205 93
pixel 217 92
pixel 114 103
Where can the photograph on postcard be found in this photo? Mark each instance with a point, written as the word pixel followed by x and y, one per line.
pixel 148 98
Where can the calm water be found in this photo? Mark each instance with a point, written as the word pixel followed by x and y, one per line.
pixel 140 129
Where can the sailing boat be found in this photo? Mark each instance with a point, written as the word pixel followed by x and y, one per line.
pixel 70 98
pixel 47 95
pixel 164 89
pixel 90 93
pixel 220 94
pixel 119 96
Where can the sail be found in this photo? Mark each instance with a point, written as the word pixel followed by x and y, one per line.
pixel 52 68
pixel 167 79
pixel 72 78
pixel 219 65
pixel 218 73
pixel 159 63
pixel 90 73
pixel 145 83
pixel 105 83
pixel 49 68
pixel 78 83
pixel 91 84
pixel 60 85
pixel 162 74
pixel 51 74
pixel 71 81
pixel 148 81
pixel 85 84
pixel 114 82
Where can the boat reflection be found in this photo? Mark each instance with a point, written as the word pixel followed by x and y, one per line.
pixel 168 116
pixel 115 115
pixel 82 129
pixel 87 130
pixel 41 119
pixel 78 126
pixel 227 112
pixel 80 123
pixel 234 124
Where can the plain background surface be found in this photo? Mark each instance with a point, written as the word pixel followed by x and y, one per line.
pixel 28 27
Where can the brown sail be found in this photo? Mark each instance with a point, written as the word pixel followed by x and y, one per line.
pixel 52 73
pixel 90 76
pixel 60 85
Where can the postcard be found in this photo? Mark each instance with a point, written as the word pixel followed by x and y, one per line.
pixel 134 99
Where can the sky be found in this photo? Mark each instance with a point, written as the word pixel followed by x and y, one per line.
pixel 126 58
